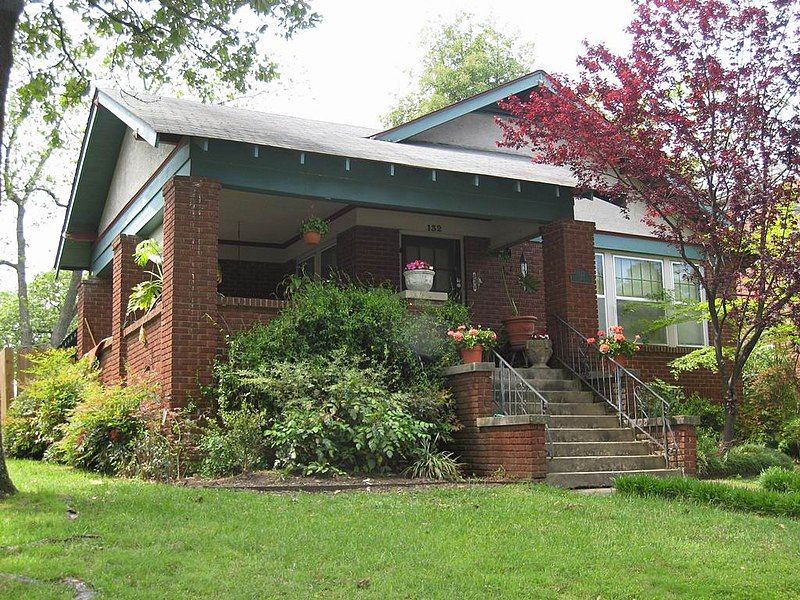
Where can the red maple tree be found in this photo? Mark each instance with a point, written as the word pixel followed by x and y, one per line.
pixel 700 121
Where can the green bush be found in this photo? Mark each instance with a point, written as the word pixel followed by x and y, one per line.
pixel 712 414
pixel 237 444
pixel 104 429
pixel 38 415
pixel 711 493
pixel 790 438
pixel 780 480
pixel 333 416
pixel 372 326
pixel 747 460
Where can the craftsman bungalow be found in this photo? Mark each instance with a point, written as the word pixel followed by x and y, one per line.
pixel 225 190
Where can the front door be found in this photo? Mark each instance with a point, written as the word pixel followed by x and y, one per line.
pixel 445 257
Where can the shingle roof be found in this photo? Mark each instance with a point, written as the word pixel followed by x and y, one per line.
pixel 187 118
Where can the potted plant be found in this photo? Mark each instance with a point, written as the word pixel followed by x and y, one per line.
pixel 519 327
pixel 418 276
pixel 539 349
pixel 472 341
pixel 614 344
pixel 313 229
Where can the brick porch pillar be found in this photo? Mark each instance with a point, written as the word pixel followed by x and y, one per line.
pixel 569 277
pixel 189 299
pixel 94 313
pixel 125 275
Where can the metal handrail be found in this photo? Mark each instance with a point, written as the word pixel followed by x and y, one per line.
pixel 514 395
pixel 621 389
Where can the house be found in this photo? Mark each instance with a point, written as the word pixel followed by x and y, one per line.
pixel 225 190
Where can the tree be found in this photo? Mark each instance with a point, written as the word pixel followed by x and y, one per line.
pixel 701 123
pixel 462 59
pixel 58 48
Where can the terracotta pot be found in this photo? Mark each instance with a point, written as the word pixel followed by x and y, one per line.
pixel 539 352
pixel 622 361
pixel 312 238
pixel 472 355
pixel 520 330
pixel 419 280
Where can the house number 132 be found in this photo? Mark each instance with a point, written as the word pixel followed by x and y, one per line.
pixel 435 228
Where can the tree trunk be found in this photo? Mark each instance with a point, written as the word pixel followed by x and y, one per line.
pixel 730 414
pixel 25 331
pixel 10 10
pixel 68 309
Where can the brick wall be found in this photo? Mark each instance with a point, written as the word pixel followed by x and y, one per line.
pixel 94 313
pixel 250 279
pixel 651 362
pixel 516 450
pixel 144 347
pixel 235 314
pixel 125 274
pixel 370 254
pixel 489 305
pixel 683 453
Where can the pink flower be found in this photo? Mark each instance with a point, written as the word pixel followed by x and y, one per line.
pixel 619 337
pixel 601 333
pixel 462 327
pixel 473 331
pixel 590 340
pixel 451 333
pixel 604 348
pixel 494 335
pixel 458 336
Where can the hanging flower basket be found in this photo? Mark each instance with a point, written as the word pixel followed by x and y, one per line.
pixel 312 230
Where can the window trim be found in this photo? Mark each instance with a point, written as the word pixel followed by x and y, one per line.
pixel 315 254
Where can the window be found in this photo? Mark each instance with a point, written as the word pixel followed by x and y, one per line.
pixel 321 262
pixel 445 256
pixel 631 291
pixel 600 278
pixel 639 286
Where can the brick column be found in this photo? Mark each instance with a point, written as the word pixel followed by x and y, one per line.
pixel 569 277
pixel 189 299
pixel 125 274
pixel 94 313
pixel 370 255
pixel 684 428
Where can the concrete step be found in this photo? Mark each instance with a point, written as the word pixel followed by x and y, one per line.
pixel 600 448
pixel 543 373
pixel 599 479
pixel 577 408
pixel 554 385
pixel 591 464
pixel 580 421
pixel 594 434
pixel 567 396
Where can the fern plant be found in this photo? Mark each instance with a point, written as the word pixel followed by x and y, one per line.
pixel 145 295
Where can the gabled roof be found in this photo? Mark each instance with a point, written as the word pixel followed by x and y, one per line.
pixel 453 111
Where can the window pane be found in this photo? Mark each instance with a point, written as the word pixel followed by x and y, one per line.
pixel 327 261
pixel 637 278
pixel 601 313
pixel 686 289
pixel 636 317
pixel 599 274
pixel 690 333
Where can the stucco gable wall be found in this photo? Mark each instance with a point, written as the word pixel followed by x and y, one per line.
pixel 136 163
pixel 477 131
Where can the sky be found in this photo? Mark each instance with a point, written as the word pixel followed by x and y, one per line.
pixel 358 60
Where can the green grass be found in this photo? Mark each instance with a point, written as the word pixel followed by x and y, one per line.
pixel 158 541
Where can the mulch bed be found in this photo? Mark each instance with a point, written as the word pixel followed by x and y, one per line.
pixel 272 481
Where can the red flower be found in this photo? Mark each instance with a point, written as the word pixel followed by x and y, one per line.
pixel 114 434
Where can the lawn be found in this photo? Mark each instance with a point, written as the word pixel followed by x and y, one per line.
pixel 159 541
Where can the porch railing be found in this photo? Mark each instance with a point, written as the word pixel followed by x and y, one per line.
pixel 514 395
pixel 638 405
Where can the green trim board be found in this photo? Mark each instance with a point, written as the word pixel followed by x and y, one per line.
pixel 458 109
pixel 639 245
pixel 141 213
pixel 376 184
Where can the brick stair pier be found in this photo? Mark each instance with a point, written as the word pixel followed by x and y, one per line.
pixel 590 447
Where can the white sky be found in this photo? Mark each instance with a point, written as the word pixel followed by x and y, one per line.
pixel 353 65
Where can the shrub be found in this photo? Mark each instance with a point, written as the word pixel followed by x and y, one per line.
pixel 430 463
pixel 372 326
pixel 237 444
pixel 790 438
pixel 333 416
pixel 711 493
pixel 780 480
pixel 747 460
pixel 104 429
pixel 712 414
pixel 37 417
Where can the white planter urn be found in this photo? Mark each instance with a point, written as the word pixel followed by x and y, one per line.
pixel 419 280
pixel 539 352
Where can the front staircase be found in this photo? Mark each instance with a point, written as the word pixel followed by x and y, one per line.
pixel 589 446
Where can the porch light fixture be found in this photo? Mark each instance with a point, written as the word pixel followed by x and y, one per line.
pixel 523 265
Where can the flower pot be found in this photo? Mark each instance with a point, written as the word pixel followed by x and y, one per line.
pixel 419 280
pixel 312 238
pixel 472 355
pixel 539 352
pixel 622 361
pixel 520 330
